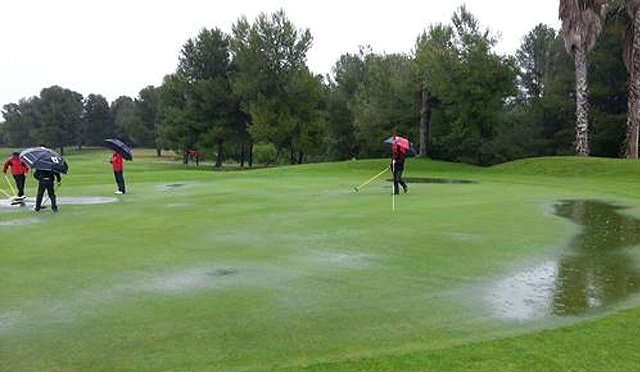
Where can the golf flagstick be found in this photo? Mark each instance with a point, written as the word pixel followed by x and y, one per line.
pixel 393 172
pixel 393 187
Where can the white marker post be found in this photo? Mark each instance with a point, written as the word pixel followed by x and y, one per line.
pixel 393 186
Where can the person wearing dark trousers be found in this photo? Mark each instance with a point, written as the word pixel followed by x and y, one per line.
pixel 196 156
pixel 18 169
pixel 397 167
pixel 45 182
pixel 116 162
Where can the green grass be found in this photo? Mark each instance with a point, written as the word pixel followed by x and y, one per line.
pixel 288 269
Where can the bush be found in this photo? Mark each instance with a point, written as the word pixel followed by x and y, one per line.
pixel 265 153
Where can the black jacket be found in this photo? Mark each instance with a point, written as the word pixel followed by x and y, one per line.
pixel 398 156
pixel 46 176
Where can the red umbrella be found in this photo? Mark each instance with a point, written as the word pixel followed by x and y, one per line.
pixel 402 142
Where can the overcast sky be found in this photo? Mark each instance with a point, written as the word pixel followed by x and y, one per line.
pixel 118 47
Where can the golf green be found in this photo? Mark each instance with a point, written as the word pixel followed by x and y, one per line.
pixel 289 268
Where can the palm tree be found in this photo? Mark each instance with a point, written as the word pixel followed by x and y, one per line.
pixel 581 24
pixel 632 61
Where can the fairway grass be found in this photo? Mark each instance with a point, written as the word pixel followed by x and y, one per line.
pixel 287 269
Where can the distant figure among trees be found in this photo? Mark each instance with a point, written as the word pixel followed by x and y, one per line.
pixel 192 155
pixel 195 156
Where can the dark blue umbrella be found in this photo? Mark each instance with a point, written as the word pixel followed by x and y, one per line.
pixel 43 158
pixel 120 147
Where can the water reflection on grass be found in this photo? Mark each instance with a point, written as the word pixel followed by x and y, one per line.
pixel 598 268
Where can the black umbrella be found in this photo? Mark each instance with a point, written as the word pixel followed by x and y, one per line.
pixel 120 147
pixel 43 158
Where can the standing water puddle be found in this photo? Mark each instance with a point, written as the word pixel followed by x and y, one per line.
pixel 434 180
pixel 599 267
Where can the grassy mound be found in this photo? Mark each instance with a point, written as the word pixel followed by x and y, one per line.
pixel 287 268
pixel 571 167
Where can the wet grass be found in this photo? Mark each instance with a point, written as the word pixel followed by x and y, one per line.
pixel 289 269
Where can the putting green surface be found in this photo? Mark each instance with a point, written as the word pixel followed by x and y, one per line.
pixel 288 269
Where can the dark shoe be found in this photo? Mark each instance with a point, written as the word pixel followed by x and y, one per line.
pixel 406 188
pixel 36 209
pixel 55 210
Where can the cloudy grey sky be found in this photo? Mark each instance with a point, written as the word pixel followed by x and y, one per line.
pixel 118 47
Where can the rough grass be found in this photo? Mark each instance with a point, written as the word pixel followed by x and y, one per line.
pixel 289 269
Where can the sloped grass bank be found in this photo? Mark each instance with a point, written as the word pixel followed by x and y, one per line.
pixel 289 268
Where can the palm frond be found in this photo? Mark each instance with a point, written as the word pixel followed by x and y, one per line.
pixel 581 22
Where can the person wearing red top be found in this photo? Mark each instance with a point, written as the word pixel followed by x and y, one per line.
pixel 397 166
pixel 116 162
pixel 196 156
pixel 18 169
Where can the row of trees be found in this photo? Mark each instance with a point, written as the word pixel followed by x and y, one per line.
pixel 250 92
pixel 60 117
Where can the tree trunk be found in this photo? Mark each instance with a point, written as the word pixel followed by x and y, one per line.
pixel 292 156
pixel 158 151
pixel 219 156
pixel 630 149
pixel 425 119
pixel 300 157
pixel 251 155
pixel 242 155
pixel 582 103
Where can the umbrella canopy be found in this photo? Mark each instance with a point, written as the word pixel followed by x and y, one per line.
pixel 120 147
pixel 43 158
pixel 403 143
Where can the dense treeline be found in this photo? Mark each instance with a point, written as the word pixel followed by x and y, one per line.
pixel 249 96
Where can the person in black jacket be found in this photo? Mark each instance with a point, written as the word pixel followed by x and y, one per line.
pixel 45 181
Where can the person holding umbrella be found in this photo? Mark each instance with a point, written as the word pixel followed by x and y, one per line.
pixel 19 170
pixel 48 165
pixel 45 182
pixel 401 148
pixel 117 165
pixel 397 167
pixel 120 152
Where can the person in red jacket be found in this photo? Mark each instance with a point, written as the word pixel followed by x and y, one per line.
pixel 18 169
pixel 196 156
pixel 397 167
pixel 116 163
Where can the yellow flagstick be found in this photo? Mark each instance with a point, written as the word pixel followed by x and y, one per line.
pixel 367 182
